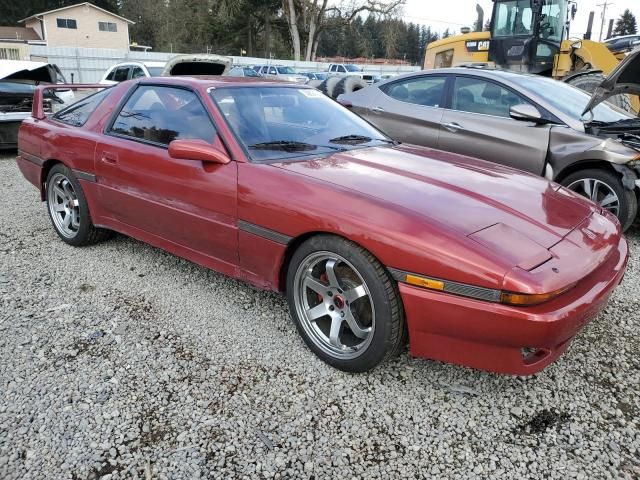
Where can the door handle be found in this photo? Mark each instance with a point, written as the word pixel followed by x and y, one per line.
pixel 453 126
pixel 377 110
pixel 111 158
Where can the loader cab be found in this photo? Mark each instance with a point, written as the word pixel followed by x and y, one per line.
pixel 526 34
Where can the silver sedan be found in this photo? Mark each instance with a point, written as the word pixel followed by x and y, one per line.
pixel 528 122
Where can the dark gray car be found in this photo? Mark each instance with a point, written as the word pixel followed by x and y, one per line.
pixel 524 121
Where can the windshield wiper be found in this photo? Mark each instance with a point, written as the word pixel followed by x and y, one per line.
pixel 357 139
pixel 290 146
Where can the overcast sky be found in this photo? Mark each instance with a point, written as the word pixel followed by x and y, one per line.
pixel 454 14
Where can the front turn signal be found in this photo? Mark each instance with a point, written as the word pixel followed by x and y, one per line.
pixel 526 299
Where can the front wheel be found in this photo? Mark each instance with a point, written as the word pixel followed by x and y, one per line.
pixel 605 189
pixel 344 304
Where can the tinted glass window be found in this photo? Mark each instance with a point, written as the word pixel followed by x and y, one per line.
pixel 513 18
pixel 272 71
pixel 425 91
pixel 568 99
pixel 480 96
pixel 285 122
pixel 163 114
pixel 78 113
pixel 66 23
pixel 107 27
pixel 112 74
pixel 122 73
pixel 137 72
pixel 155 71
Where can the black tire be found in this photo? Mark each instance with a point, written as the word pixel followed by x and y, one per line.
pixel 85 233
pixel 327 86
pixel 628 202
pixel 387 336
pixel 589 82
pixel 348 85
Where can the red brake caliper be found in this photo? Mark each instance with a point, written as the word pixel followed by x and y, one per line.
pixel 324 279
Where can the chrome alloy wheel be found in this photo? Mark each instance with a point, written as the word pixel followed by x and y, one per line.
pixel 64 206
pixel 334 305
pixel 598 192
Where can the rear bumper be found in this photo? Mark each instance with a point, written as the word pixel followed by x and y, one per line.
pixel 491 336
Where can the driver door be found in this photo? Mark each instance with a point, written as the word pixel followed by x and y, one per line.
pixel 190 203
pixel 478 124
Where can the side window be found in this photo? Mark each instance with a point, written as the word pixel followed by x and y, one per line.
pixel 425 91
pixel 273 71
pixel 137 72
pixel 112 74
pixel 122 74
pixel 333 68
pixel 341 69
pixel 78 113
pixel 443 59
pixel 163 114
pixel 476 95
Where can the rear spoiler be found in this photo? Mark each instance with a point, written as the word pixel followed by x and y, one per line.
pixel 37 107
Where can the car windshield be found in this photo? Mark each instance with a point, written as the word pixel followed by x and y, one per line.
pixel 286 70
pixel 570 100
pixel 352 68
pixel 280 123
pixel 155 71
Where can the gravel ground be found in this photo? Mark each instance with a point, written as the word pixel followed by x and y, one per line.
pixel 122 361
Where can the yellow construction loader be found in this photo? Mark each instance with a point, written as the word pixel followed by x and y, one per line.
pixel 532 36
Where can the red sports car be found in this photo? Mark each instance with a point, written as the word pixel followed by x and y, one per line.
pixel 276 184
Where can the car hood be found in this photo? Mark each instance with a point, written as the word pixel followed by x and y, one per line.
pixel 460 193
pixel 197 64
pixel 27 71
pixel 625 78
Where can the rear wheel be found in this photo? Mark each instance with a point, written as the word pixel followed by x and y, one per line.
pixel 68 209
pixel 605 189
pixel 590 81
pixel 344 304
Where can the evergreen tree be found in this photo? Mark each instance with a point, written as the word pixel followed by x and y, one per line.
pixel 626 24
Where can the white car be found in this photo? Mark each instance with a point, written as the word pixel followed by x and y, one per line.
pixel 279 72
pixel 128 70
pixel 18 80
pixel 189 64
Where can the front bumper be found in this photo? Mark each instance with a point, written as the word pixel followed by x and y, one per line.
pixel 492 336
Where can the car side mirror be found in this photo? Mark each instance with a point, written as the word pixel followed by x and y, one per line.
pixel 197 150
pixel 525 113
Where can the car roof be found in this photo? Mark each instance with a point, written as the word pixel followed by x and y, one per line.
pixel 613 39
pixel 205 81
pixel 482 72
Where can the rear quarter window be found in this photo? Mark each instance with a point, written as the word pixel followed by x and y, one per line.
pixel 78 113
